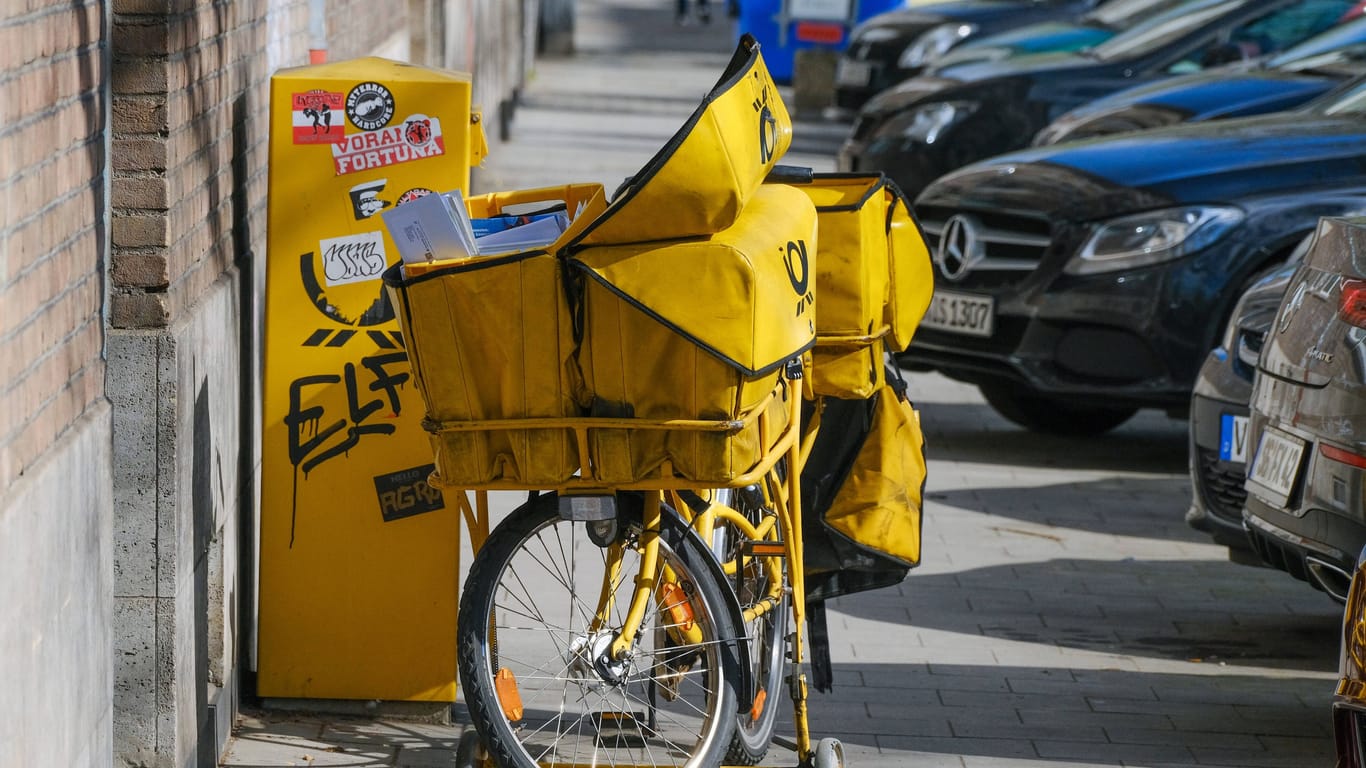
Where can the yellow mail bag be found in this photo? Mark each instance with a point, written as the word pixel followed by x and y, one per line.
pixel 698 329
pixel 491 338
pixel 862 495
pixel 700 180
pixel 910 273
pixel 851 282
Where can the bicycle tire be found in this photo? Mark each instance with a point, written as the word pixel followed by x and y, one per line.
pixel 577 707
pixel 756 724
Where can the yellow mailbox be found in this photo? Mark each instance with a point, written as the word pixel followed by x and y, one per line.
pixel 359 557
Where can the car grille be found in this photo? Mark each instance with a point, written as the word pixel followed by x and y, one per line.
pixel 1012 243
pixel 1221 489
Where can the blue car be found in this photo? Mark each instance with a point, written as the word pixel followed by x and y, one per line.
pixel 1285 81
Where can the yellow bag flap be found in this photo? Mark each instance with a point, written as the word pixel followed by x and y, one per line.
pixel 744 294
pixel 912 275
pixel 879 505
pixel 702 177
pixel 842 191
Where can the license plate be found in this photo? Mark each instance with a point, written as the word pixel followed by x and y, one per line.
pixel 964 313
pixel 1275 466
pixel 854 74
pixel 1233 438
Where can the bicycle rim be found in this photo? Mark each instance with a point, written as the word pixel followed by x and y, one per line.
pixel 528 638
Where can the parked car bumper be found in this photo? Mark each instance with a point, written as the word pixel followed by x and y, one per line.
pixel 1318 531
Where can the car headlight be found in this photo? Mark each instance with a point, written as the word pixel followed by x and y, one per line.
pixel 932 44
pixel 930 121
pixel 873 35
pixel 1152 238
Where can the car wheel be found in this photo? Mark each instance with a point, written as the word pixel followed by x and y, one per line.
pixel 1039 413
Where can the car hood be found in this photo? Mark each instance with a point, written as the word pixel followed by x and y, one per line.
pixel 913 21
pixel 1204 162
pixel 908 92
pixel 1217 93
pixel 1034 38
pixel 1031 64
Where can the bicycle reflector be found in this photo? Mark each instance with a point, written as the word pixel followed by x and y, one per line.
pixel 508 696
pixel 587 508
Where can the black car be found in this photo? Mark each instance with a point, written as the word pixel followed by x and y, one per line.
pixel 1077 283
pixel 928 126
pixel 1281 82
pixel 1219 414
pixel 1306 482
pixel 892 46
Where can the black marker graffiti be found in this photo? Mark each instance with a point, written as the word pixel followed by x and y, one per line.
pixel 315 439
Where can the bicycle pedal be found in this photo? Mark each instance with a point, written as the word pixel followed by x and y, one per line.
pixel 620 729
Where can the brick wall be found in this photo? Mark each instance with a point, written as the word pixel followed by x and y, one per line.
pixel 190 84
pixel 52 199
pixel 359 27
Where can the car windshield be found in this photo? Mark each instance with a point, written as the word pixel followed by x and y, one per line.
pixel 1121 14
pixel 1159 30
pixel 1345 42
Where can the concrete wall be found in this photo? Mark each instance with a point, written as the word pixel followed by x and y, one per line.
pixel 182 487
pixel 54 596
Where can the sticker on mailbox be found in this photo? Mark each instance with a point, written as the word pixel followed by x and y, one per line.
pixel 417 138
pixel 317 117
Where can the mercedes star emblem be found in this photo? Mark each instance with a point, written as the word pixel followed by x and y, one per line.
pixel 960 246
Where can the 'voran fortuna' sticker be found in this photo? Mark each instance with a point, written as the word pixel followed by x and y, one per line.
pixel 418 137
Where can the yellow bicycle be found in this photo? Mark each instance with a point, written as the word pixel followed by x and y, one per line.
pixel 646 606
pixel 642 627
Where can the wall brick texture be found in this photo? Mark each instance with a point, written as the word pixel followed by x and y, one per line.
pixel 191 91
pixel 53 80
pixel 356 27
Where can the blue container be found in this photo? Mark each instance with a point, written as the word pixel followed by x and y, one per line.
pixel 784 27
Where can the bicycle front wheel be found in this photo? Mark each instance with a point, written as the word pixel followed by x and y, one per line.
pixel 542 604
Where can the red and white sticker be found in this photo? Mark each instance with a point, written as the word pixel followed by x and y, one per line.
pixel 318 117
pixel 416 138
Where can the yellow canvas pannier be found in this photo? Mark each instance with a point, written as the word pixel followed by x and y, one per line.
pixel 491 338
pixel 851 282
pixel 698 329
pixel 862 494
pixel 700 180
pixel 911 276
